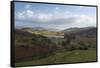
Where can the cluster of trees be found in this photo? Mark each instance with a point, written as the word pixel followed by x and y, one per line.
pixel 72 42
pixel 30 46
pixel 43 46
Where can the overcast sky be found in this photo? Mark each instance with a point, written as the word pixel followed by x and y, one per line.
pixel 53 16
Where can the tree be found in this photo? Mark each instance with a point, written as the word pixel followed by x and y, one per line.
pixel 67 41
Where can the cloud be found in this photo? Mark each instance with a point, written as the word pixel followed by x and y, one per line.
pixel 56 18
pixel 43 17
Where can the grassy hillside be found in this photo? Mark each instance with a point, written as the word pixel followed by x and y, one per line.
pixel 31 46
pixel 42 31
pixel 40 46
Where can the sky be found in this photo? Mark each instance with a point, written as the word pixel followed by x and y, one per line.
pixel 54 16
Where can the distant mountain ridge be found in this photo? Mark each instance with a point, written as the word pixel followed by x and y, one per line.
pixel 82 32
pixel 37 28
pixel 76 29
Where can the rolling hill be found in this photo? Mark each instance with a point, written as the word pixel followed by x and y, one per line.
pixel 87 31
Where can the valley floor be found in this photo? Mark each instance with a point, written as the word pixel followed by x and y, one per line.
pixel 74 56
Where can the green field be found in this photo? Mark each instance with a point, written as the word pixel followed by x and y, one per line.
pixel 64 57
